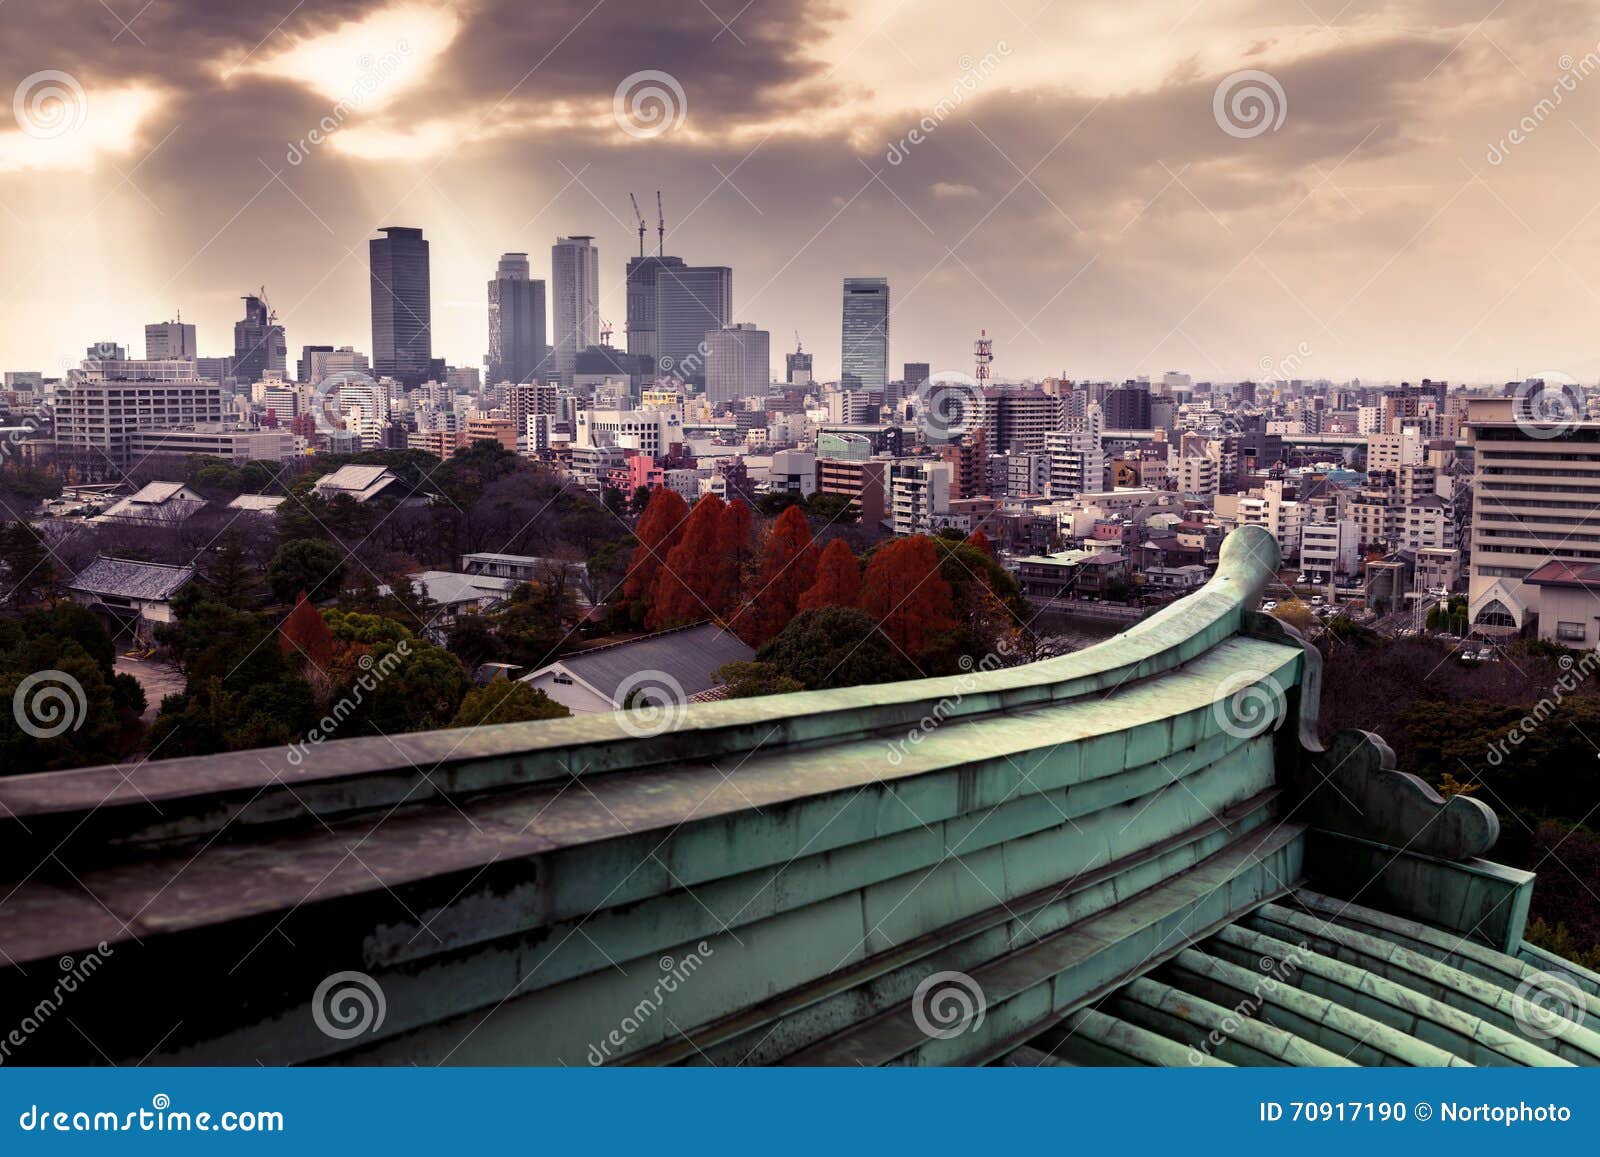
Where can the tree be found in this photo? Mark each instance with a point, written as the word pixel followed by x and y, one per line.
pixel 904 591
pixel 980 540
pixel 834 647
pixel 838 581
pixel 27 568
pixel 231 579
pixel 308 565
pixel 504 702
pixel 734 552
pixel 660 527
pixel 789 567
pixel 747 680
pixel 688 586
pixel 64 706
pixel 305 635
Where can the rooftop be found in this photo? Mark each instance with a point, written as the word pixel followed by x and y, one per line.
pixel 126 578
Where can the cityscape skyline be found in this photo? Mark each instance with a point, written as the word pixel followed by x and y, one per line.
pixel 1417 211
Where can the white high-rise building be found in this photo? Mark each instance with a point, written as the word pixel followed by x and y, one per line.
pixel 1077 460
pixel 169 339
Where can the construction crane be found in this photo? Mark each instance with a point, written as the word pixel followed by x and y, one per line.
pixel 605 332
pixel 661 227
pixel 798 348
pixel 639 215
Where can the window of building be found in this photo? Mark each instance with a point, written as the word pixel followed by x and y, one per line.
pixel 1571 632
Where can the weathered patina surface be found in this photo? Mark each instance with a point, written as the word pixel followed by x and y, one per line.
pixel 1084 839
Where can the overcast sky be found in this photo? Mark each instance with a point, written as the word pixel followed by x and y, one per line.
pixel 1085 186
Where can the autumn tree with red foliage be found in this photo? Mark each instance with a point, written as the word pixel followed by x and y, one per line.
pixel 788 568
pixel 660 528
pixel 305 635
pixel 838 581
pixel 905 592
pixel 693 580
pixel 735 554
pixel 980 540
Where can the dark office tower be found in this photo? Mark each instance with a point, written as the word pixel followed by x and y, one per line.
pixel 916 373
pixel 642 275
pixel 864 355
pixel 1127 407
pixel 402 313
pixel 516 322
pixel 797 368
pixel 303 370
pixel 258 343
pixel 691 301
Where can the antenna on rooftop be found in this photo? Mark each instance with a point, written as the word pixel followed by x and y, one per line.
pixel 661 227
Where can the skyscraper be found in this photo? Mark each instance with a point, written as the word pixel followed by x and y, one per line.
pixel 738 363
pixel 642 275
pixel 864 354
pixel 402 313
pixel 258 343
pixel 797 367
pixel 691 301
pixel 516 322
pixel 169 339
pixel 575 282
pixel 303 366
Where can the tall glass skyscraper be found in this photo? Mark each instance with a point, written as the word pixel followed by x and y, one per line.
pixel 516 323
pixel 864 356
pixel 258 343
pixel 691 301
pixel 575 281
pixel 642 275
pixel 402 312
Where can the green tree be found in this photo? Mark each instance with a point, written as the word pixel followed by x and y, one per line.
pixel 305 565
pixel 746 680
pixel 504 702
pixel 834 647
